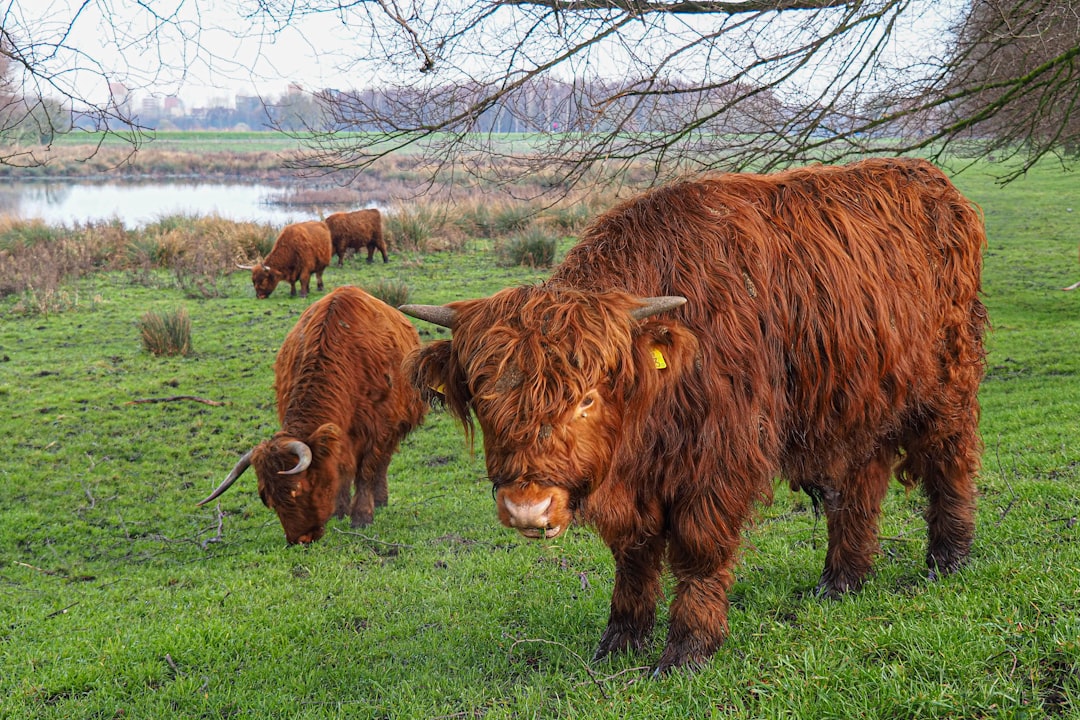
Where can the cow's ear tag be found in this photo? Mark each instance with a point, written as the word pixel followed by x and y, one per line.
pixel 440 388
pixel 659 359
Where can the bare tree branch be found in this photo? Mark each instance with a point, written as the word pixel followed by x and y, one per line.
pixel 564 92
pixel 731 8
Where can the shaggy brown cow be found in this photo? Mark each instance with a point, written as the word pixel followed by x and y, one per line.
pixel 832 328
pixel 301 249
pixel 344 405
pixel 355 231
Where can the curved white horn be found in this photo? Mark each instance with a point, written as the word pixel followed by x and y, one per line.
pixel 241 465
pixel 438 314
pixel 303 452
pixel 654 305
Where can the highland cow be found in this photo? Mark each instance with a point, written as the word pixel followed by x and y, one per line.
pixel 822 325
pixel 344 406
pixel 301 250
pixel 356 231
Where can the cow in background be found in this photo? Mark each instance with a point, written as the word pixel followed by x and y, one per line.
pixel 356 231
pixel 344 406
pixel 822 324
pixel 301 250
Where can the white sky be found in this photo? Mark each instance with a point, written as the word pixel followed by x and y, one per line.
pixel 204 53
pixel 208 51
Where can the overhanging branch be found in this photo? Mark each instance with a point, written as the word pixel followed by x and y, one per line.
pixel 683 8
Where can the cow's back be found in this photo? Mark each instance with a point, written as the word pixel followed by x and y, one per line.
pixel 838 283
pixel 341 363
pixel 299 246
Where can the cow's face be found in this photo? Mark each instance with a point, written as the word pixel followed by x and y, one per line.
pixel 265 279
pixel 303 500
pixel 550 378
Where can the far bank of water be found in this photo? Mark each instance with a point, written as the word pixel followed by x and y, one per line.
pixel 68 202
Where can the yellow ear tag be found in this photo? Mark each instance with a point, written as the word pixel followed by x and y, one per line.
pixel 659 359
pixel 441 389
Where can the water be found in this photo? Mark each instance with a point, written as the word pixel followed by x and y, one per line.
pixel 67 202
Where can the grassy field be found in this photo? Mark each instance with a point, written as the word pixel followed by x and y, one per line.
pixel 120 598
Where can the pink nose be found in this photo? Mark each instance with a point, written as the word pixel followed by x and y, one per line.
pixel 527 515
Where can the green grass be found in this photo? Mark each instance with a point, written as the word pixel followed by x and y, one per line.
pixel 120 598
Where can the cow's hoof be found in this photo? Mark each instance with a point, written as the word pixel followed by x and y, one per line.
pixel 682 657
pixel 619 639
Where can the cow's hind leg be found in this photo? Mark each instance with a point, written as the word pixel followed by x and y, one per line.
pixel 945 460
pixel 371 486
pixel 852 507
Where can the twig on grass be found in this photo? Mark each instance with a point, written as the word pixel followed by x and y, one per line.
pixel 63 610
pixel 1012 501
pixel 220 524
pixel 40 570
pixel 172 664
pixel 173 398
pixel 592 675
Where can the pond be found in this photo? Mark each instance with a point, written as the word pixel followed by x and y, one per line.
pixel 67 202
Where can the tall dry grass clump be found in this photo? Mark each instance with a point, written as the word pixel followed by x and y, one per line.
pixel 533 247
pixel 38 258
pixel 200 251
pixel 167 333
pixel 411 228
pixel 392 292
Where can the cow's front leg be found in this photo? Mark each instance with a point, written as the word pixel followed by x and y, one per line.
pixel 698 621
pixel 701 555
pixel 633 601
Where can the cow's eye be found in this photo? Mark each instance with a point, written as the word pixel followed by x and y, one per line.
pixel 586 402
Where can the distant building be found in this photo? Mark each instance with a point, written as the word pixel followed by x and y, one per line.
pixel 120 98
pixel 150 107
pixel 174 107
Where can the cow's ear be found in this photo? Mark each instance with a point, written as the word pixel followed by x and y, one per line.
pixel 664 348
pixel 324 441
pixel 431 371
pixel 427 370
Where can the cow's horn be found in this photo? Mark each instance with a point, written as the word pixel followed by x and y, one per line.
pixel 303 452
pixel 245 267
pixel 655 305
pixel 241 465
pixel 438 314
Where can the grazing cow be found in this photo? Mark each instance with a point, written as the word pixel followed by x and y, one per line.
pixel 344 405
pixel 355 231
pixel 301 249
pixel 822 325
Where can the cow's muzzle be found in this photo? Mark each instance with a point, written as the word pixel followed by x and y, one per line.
pixel 535 513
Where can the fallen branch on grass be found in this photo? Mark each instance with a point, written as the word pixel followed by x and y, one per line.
pixel 173 398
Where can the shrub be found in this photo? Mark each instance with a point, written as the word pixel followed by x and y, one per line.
pixel 570 218
pixel 410 227
pixel 166 333
pixel 391 292
pixel 535 247
pixel 511 217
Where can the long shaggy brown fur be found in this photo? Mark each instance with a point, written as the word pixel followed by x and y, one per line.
pixel 356 231
pixel 340 390
pixel 833 335
pixel 301 250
